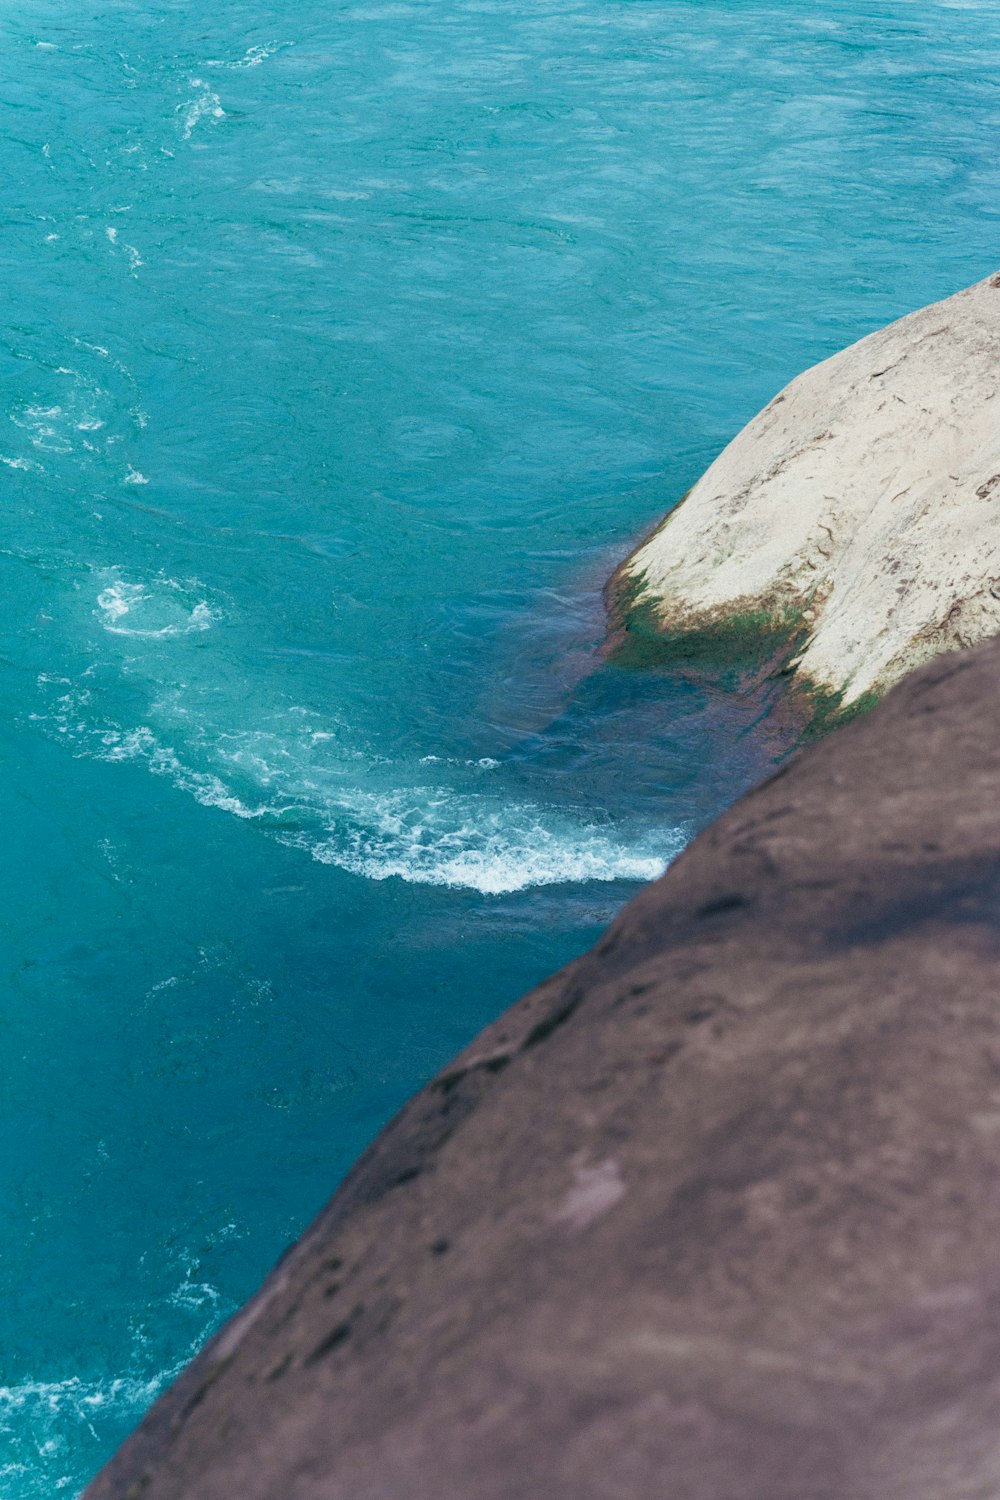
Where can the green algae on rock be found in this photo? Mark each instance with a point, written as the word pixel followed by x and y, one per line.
pixel 849 532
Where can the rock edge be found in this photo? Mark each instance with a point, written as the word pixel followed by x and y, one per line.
pixel 711 1215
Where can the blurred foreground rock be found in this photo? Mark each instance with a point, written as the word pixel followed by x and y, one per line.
pixel 714 1214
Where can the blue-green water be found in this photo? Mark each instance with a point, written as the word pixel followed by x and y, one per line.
pixel 344 348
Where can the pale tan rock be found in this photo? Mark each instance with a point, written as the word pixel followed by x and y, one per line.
pixel 859 512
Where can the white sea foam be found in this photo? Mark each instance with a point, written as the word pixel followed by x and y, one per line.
pixel 424 835
pixel 430 836
pixel 81 415
pixel 496 864
pixel 155 611
pixel 44 426
pixel 135 260
pixel 83 1398
pixel 207 106
pixel 252 57
pixel 442 821
pixel 141 744
pixel 42 1422
pixel 46 1426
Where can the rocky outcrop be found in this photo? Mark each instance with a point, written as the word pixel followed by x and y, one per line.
pixel 712 1215
pixel 852 528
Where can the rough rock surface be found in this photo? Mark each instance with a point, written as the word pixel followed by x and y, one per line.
pixel 856 517
pixel 714 1214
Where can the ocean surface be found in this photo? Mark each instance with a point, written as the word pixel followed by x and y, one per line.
pixel 345 347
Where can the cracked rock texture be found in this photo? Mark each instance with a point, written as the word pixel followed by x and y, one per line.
pixel 857 515
pixel 714 1214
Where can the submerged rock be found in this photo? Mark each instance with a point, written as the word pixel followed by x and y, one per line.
pixel 711 1215
pixel 852 526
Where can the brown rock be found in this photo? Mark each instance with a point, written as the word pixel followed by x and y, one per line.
pixel 714 1214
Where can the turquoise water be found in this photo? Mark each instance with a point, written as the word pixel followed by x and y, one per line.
pixel 344 348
